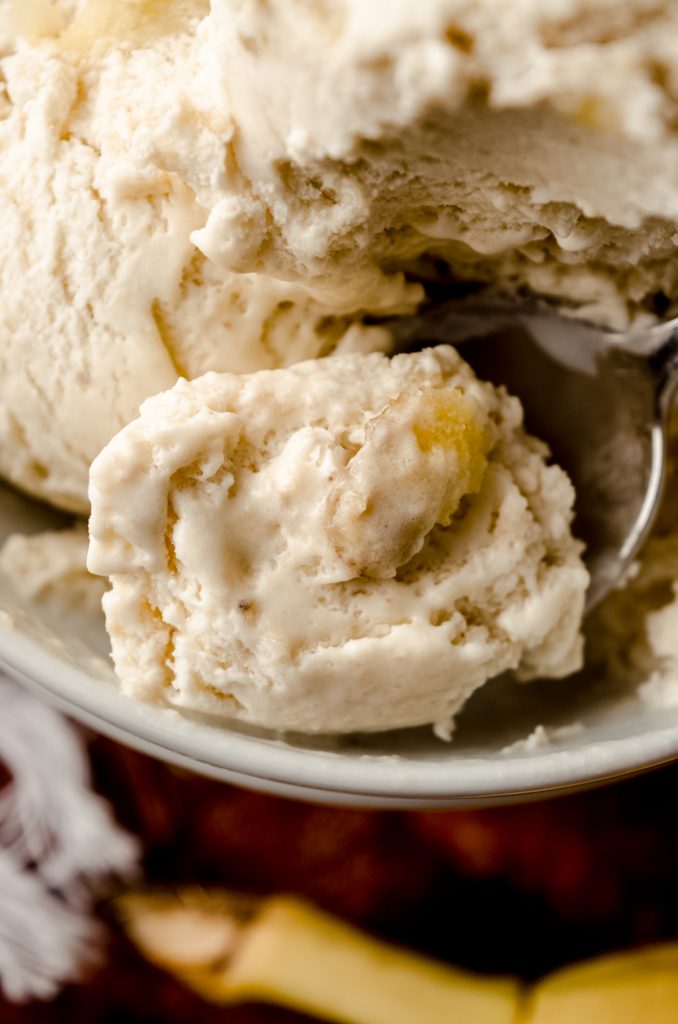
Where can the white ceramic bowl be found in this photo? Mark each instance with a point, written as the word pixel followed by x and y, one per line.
pixel 596 732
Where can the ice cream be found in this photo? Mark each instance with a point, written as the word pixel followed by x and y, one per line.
pixel 105 298
pixel 531 143
pixel 240 186
pixel 354 543
pixel 181 194
pixel 48 570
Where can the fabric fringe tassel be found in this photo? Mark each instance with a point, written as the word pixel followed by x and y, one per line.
pixel 58 844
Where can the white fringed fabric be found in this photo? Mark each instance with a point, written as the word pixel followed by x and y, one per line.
pixel 58 845
pixel 44 942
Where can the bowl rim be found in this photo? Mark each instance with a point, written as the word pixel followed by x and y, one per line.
pixel 271 765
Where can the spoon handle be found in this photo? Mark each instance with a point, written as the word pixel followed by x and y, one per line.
pixel 664 364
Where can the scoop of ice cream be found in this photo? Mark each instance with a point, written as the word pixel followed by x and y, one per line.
pixel 48 570
pixel 532 143
pixel 348 544
pixel 180 195
pixel 105 299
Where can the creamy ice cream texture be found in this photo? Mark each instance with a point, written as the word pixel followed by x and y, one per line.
pixel 532 142
pixel 234 189
pixel 49 570
pixel 188 187
pixel 105 298
pixel 351 544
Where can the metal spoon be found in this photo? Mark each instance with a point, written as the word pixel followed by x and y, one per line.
pixel 599 398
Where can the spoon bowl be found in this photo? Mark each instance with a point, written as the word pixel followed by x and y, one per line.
pixel 600 400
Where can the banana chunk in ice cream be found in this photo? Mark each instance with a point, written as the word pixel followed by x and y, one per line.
pixel 348 544
pixel 421 454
